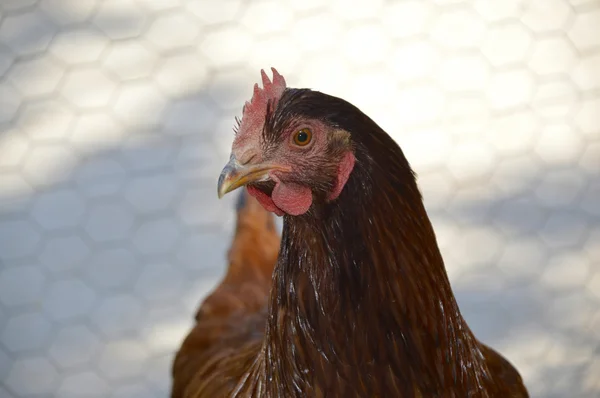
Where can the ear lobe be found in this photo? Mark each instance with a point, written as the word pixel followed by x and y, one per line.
pixel 344 169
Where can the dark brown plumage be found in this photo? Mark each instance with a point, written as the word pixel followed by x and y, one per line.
pixel 360 303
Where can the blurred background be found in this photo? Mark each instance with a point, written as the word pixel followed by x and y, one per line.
pixel 116 118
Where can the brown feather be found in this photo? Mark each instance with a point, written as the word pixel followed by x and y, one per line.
pixel 230 323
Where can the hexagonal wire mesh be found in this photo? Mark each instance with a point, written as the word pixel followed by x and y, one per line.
pixel 115 119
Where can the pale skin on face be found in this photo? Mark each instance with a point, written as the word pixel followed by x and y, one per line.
pixel 294 198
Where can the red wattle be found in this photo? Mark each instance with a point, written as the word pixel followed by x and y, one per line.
pixel 294 199
pixel 264 199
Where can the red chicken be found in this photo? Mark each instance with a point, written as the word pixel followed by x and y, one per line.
pixel 359 303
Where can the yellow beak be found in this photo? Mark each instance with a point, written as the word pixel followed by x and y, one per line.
pixel 235 175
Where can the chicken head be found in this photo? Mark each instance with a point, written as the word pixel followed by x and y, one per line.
pixel 287 159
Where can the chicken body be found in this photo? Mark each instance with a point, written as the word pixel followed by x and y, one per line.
pixel 226 346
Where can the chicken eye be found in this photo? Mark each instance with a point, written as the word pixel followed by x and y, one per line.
pixel 302 137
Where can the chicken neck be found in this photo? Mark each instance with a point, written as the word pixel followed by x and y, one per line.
pixel 361 302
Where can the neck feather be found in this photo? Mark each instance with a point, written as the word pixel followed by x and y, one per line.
pixel 361 302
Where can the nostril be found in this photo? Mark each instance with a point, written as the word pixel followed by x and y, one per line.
pixel 246 158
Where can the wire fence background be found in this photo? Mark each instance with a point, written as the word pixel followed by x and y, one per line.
pixel 116 118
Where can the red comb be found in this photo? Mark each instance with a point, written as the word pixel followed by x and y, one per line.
pixel 255 111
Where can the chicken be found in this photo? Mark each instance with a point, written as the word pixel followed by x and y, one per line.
pixel 359 303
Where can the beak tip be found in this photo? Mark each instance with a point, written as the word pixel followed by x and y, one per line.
pixel 220 186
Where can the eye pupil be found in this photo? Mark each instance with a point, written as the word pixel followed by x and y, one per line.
pixel 302 137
